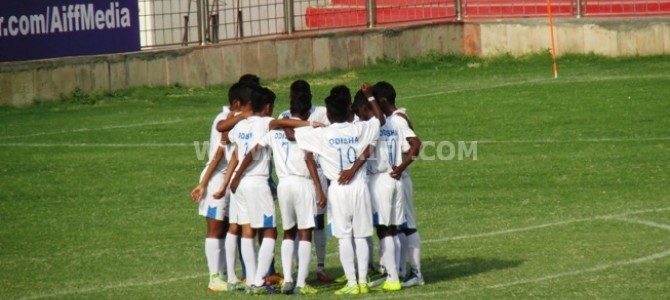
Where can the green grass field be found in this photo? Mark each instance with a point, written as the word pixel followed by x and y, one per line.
pixel 569 196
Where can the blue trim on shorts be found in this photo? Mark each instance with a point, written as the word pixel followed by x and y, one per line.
pixel 375 218
pixel 211 212
pixel 268 221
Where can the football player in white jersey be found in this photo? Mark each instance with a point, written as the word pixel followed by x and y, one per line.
pixel 339 147
pixel 316 114
pixel 385 190
pixel 252 206
pixel 410 240
pixel 299 188
pixel 214 210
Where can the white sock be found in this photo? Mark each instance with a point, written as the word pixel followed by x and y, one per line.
pixel 305 256
pixel 347 260
pixel 320 247
pixel 382 249
pixel 396 255
pixel 249 258
pixel 362 254
pixel 388 257
pixel 296 242
pixel 212 253
pixel 231 251
pixel 287 259
pixel 402 265
pixel 414 251
pixel 265 255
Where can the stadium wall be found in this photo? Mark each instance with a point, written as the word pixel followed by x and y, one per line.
pixel 25 83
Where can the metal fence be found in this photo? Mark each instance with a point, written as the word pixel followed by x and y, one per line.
pixel 184 22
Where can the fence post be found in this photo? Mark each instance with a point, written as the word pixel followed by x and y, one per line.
pixel 202 21
pixel 457 8
pixel 214 28
pixel 289 22
pixel 579 9
pixel 184 37
pixel 371 9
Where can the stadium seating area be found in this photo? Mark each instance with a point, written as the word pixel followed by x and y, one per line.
pixel 343 13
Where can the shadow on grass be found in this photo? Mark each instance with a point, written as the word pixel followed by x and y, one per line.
pixel 435 271
pixel 450 269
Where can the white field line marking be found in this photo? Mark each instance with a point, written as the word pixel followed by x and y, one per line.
pixel 92 129
pixel 643 222
pixel 487 234
pixel 584 140
pixel 541 226
pixel 598 268
pixel 479 88
pixel 541 80
pixel 111 287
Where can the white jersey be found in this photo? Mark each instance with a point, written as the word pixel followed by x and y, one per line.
pixel 339 145
pixel 316 114
pixel 289 159
pixel 404 146
pixel 215 139
pixel 245 135
pixel 389 150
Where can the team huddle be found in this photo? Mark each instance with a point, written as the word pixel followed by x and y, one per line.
pixel 341 168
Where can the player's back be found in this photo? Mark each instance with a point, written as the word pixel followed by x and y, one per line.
pixel 246 135
pixel 289 159
pixel 339 145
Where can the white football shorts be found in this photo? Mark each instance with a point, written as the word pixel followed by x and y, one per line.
pixel 408 203
pixel 214 208
pixel 297 202
pixel 387 197
pixel 254 204
pixel 350 210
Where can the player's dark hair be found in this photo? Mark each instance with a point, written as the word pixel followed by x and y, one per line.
pixel 260 97
pixel 338 103
pixel 236 92
pixel 249 79
pixel 341 90
pixel 301 103
pixel 300 86
pixel 384 89
pixel 360 101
